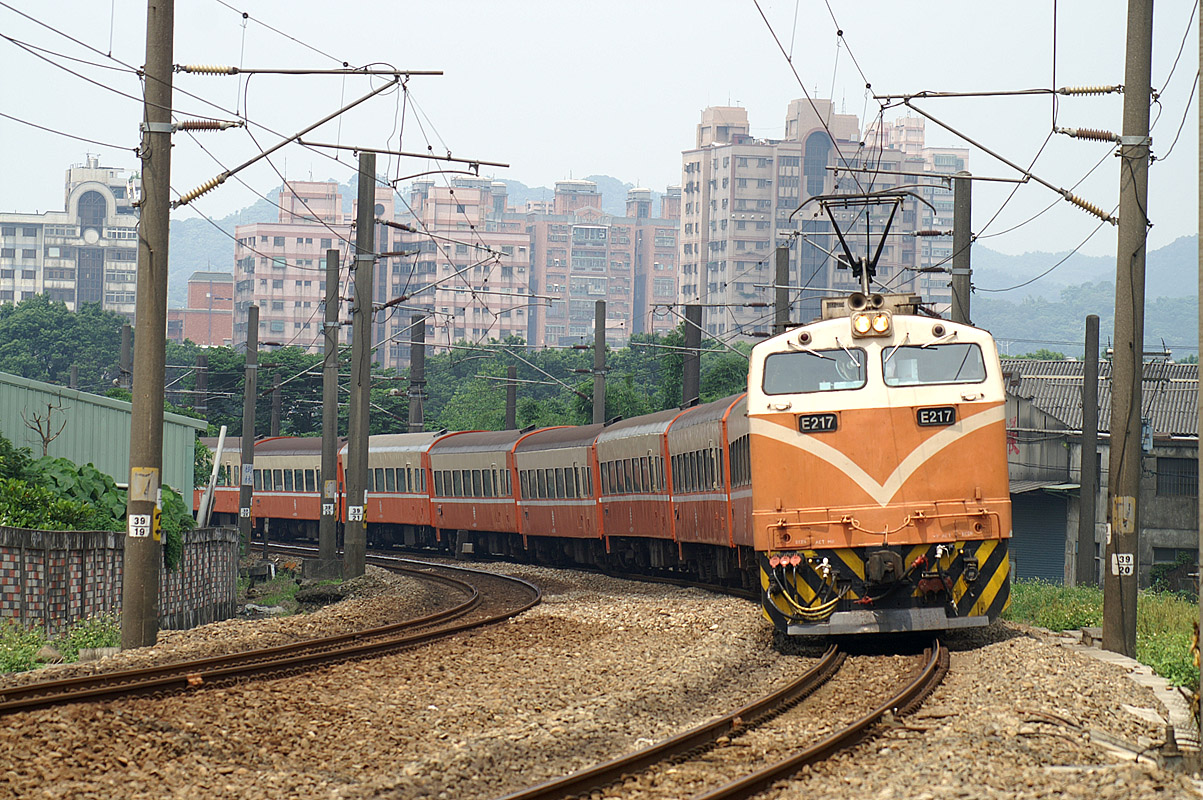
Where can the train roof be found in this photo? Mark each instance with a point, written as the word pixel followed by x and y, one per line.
pixel 707 412
pixel 274 446
pixel 555 438
pixel 289 446
pixel 476 442
pixel 639 426
pixel 418 441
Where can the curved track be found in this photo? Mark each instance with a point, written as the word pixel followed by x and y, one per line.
pixel 698 741
pixel 505 598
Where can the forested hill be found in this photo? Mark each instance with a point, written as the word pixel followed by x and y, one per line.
pixel 1032 323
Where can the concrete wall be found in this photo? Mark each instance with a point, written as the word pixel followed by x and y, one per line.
pixel 53 578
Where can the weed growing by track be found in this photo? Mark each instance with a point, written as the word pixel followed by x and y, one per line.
pixel 19 646
pixel 1164 622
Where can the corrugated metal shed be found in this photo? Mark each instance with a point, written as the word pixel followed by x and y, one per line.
pixel 96 431
pixel 1169 393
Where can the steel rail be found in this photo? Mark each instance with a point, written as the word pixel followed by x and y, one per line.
pixel 700 737
pixel 905 701
pixel 253 663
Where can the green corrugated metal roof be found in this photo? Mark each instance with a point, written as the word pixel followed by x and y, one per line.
pixel 97 429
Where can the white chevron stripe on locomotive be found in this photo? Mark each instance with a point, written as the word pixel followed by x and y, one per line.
pixel 881 493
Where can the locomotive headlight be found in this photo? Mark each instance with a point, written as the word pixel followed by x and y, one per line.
pixel 871 323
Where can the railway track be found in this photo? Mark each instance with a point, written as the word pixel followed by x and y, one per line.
pixel 505 597
pixel 673 767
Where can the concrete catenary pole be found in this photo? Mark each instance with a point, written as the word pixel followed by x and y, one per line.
pixel 125 379
pixel 781 291
pixel 962 243
pixel 1121 569
pixel 200 403
pixel 599 361
pixel 417 373
pixel 247 443
pixel 511 398
pixel 327 533
pixel 1088 495
pixel 691 369
pixel 277 401
pixel 74 383
pixel 355 540
pixel 143 550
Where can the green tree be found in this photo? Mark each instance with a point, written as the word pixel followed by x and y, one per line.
pixel 1043 354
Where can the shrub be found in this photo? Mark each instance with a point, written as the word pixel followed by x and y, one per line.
pixel 103 630
pixel 18 646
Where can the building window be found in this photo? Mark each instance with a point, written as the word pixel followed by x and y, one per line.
pixel 278 241
pixel 1177 477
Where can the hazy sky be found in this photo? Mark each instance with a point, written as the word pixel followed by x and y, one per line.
pixel 567 89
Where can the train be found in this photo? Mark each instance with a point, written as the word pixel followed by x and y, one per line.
pixel 859 484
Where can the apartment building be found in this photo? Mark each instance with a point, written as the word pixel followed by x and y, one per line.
pixel 743 196
pixel 281 266
pixel 208 318
pixel 86 253
pixel 581 254
pixel 472 266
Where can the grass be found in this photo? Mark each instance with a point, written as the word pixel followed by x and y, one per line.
pixel 1164 622
pixel 19 645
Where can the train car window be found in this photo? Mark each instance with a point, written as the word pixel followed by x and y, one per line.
pixel 624 477
pixel 487 482
pixel 258 480
pixel 467 483
pixel 378 481
pixel 509 489
pixel 694 480
pixel 438 483
pixel 278 480
pixel 457 483
pixel 317 478
pixel 288 480
pixel 310 482
pixel 645 469
pixel 541 483
pixel 814 371
pixel 422 481
pixel 589 481
pixel 605 477
pixel 477 484
pixel 390 479
pixel 523 484
pixel 298 479
pixel 934 364
pixel 660 484
pixel 561 489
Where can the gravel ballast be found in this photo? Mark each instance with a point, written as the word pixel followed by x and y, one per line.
pixel 600 668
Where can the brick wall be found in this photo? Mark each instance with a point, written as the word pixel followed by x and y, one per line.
pixel 53 578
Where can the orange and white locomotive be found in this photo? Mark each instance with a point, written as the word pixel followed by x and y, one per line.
pixel 880 495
